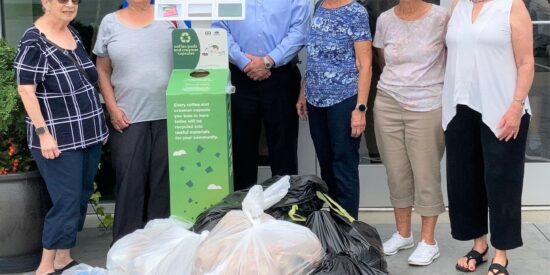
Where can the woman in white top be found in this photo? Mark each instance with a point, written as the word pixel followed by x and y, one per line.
pixel 490 69
pixel 407 115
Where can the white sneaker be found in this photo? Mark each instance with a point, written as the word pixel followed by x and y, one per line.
pixel 396 243
pixel 424 254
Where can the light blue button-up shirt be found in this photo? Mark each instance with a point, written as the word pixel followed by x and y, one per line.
pixel 276 28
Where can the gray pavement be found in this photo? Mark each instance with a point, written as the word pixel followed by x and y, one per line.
pixel 531 259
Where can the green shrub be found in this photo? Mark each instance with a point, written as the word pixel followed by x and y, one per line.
pixel 14 153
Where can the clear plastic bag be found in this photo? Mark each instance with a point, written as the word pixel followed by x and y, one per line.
pixel 84 269
pixel 250 242
pixel 121 256
pixel 172 252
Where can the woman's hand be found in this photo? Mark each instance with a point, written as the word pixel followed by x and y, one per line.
pixel 358 123
pixel 510 122
pixel 301 105
pixel 48 146
pixel 118 119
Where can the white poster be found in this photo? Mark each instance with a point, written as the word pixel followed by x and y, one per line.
pixel 199 9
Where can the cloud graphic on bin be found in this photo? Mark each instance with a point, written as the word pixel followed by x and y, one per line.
pixel 179 153
pixel 214 187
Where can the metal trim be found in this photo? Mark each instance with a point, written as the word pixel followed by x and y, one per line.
pixel 2 20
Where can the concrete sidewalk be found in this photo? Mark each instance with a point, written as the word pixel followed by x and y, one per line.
pixel 531 259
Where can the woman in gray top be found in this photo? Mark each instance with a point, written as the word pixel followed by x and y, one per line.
pixel 134 64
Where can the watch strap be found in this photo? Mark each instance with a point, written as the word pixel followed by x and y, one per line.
pixel 361 107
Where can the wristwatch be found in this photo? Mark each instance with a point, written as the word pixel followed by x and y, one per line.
pixel 361 107
pixel 40 130
pixel 267 63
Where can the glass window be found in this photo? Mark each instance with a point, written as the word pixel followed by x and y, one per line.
pixel 20 15
pixel 369 150
pixel 538 142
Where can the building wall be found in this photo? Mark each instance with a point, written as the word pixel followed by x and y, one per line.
pixel 19 14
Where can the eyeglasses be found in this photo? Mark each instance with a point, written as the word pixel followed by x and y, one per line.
pixel 64 2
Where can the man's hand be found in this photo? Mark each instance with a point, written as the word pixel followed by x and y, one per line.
pixel 255 69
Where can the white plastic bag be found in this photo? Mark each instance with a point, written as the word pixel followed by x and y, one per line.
pixel 276 192
pixel 84 269
pixel 172 252
pixel 250 242
pixel 125 250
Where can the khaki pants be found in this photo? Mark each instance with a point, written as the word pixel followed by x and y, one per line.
pixel 411 146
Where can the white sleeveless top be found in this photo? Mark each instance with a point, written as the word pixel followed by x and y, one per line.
pixel 481 70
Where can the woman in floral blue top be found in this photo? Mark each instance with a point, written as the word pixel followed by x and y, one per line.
pixel 335 91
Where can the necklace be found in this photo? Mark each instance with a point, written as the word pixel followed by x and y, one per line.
pixel 477 1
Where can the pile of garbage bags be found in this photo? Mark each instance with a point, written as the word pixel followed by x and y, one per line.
pixel 277 227
pixel 301 193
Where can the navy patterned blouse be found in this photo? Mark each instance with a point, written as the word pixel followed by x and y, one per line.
pixel 331 72
pixel 68 101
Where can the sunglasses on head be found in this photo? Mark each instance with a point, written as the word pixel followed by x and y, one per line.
pixel 64 2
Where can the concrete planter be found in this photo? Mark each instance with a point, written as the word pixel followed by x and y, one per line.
pixel 24 202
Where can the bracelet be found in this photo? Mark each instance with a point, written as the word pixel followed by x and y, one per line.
pixel 520 101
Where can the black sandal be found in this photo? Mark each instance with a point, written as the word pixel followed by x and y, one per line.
pixel 473 255
pixel 69 265
pixel 499 268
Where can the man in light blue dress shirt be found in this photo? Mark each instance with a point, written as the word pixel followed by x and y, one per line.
pixel 262 51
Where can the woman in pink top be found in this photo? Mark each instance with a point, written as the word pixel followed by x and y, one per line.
pixel 407 115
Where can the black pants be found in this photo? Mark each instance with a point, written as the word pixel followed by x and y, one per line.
pixel 483 172
pixel 140 161
pixel 273 102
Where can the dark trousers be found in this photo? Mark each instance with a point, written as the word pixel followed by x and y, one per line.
pixel 337 151
pixel 483 172
pixel 69 179
pixel 273 102
pixel 140 161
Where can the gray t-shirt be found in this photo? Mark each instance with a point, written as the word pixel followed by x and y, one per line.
pixel 414 52
pixel 142 62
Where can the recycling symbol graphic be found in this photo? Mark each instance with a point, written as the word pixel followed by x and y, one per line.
pixel 185 38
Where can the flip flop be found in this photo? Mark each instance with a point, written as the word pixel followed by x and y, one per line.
pixel 499 268
pixel 473 255
pixel 69 265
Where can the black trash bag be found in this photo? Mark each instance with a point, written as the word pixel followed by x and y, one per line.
pixel 343 263
pixel 340 233
pixel 302 192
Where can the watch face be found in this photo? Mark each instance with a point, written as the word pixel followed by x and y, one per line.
pixel 362 107
pixel 40 130
pixel 267 64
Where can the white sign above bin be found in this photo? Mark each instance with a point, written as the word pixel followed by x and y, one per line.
pixel 200 9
